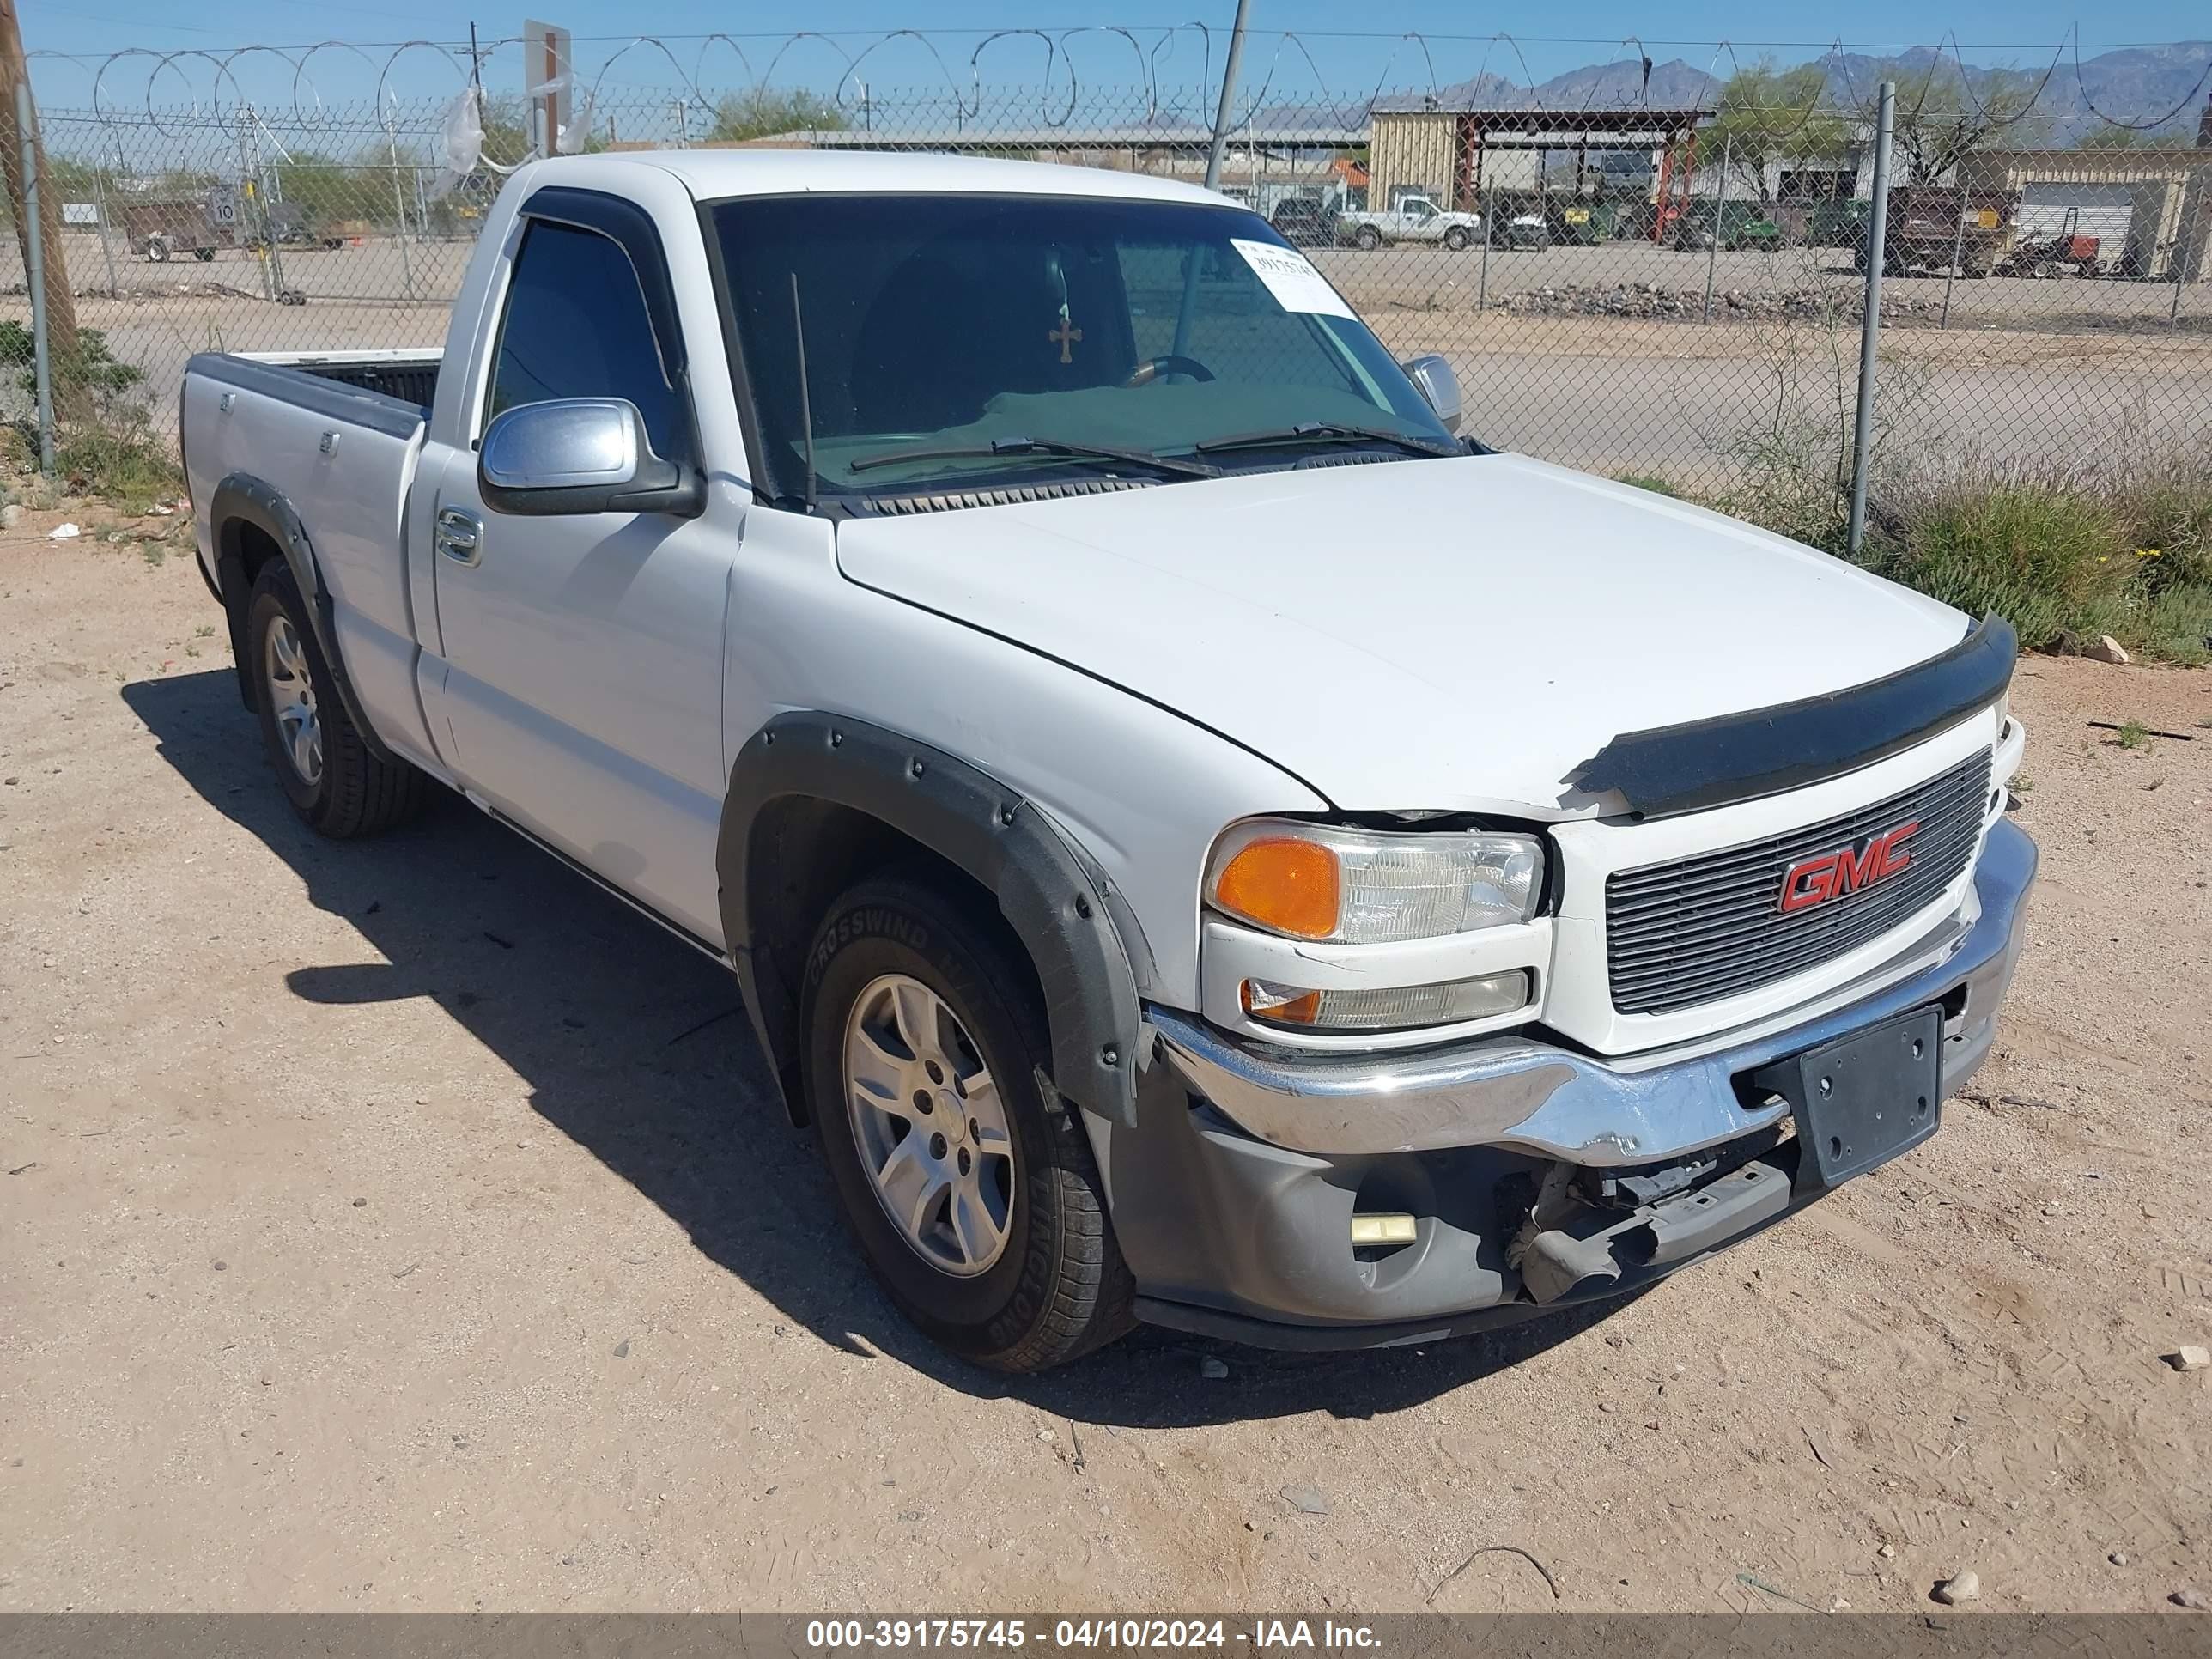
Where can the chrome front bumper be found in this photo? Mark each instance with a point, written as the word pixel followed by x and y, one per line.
pixel 1233 1195
pixel 1549 1101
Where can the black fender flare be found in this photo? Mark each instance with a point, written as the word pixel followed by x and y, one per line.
pixel 1047 891
pixel 240 499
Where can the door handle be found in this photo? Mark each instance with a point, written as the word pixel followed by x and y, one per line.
pixel 459 536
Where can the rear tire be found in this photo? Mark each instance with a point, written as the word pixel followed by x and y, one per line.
pixel 966 1179
pixel 337 787
pixel 1455 240
pixel 1368 238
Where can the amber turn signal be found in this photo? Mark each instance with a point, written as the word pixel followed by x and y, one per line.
pixel 1291 886
pixel 1283 1004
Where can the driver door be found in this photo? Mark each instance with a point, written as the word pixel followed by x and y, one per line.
pixel 583 683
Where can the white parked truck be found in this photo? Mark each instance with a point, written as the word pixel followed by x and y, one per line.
pixel 1200 841
pixel 1413 219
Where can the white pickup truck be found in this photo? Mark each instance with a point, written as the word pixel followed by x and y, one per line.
pixel 1200 841
pixel 1411 219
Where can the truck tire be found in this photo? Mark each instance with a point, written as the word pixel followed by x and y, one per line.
pixel 326 772
pixel 157 250
pixel 1455 240
pixel 1368 238
pixel 966 1179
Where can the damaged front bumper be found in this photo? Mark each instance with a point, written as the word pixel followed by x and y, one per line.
pixel 1537 1175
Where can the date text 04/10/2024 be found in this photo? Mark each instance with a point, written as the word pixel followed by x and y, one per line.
pixel 881 1635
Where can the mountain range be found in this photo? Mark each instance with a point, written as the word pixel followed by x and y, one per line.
pixel 2161 90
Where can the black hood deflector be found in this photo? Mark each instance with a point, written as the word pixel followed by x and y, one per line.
pixel 1671 770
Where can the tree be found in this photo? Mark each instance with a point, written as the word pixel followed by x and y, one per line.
pixel 762 113
pixel 2114 138
pixel 18 142
pixel 326 190
pixel 1940 121
pixel 1766 114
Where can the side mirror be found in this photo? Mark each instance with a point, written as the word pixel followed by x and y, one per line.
pixel 1434 376
pixel 578 455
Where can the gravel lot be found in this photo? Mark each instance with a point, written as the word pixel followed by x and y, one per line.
pixel 402 1225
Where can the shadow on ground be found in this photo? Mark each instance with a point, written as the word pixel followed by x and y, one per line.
pixel 634 1046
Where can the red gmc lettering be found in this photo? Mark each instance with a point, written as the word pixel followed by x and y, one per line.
pixel 1817 880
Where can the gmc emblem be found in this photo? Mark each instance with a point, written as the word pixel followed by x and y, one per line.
pixel 1831 875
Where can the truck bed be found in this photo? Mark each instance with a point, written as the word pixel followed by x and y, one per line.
pixel 405 375
pixel 331 434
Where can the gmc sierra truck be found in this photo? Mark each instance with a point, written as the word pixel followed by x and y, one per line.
pixel 1199 840
pixel 1413 219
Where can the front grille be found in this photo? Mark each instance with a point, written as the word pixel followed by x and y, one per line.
pixel 1711 927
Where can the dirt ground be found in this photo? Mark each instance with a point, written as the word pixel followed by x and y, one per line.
pixel 403 1225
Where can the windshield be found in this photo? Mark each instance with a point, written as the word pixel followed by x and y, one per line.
pixel 952 323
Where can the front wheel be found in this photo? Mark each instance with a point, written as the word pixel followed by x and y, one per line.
pixel 966 1179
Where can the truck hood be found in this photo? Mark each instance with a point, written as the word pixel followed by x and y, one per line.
pixel 1453 635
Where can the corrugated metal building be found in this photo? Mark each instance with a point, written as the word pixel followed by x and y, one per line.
pixel 1454 156
pixel 2150 209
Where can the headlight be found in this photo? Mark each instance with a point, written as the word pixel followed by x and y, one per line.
pixel 1366 887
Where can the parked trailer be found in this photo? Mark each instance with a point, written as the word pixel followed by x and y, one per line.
pixel 169 229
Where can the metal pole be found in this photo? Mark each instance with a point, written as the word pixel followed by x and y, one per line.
pixel 35 272
pixel 1252 155
pixel 399 207
pixel 1870 324
pixel 1720 219
pixel 1189 309
pixel 1958 253
pixel 1489 230
pixel 100 204
pixel 1228 95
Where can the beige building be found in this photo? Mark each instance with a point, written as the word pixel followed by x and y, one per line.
pixel 2150 209
pixel 1454 156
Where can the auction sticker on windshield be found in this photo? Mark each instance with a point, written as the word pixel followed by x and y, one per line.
pixel 1291 278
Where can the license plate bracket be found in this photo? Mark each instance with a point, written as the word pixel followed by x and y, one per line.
pixel 1861 1100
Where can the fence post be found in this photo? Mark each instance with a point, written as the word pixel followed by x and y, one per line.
pixel 1720 219
pixel 1870 324
pixel 35 273
pixel 99 206
pixel 1228 96
pixel 1958 253
pixel 1489 230
pixel 399 208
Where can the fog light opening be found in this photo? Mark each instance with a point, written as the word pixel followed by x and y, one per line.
pixel 1376 1236
pixel 1398 1008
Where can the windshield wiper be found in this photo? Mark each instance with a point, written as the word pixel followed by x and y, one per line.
pixel 1059 448
pixel 1326 431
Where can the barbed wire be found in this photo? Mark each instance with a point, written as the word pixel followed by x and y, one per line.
pixel 204 83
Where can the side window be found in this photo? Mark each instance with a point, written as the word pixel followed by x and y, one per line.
pixel 576 327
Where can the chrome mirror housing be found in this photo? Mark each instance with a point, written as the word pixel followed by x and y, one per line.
pixel 579 455
pixel 1439 384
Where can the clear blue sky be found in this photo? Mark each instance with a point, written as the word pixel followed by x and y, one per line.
pixel 1353 44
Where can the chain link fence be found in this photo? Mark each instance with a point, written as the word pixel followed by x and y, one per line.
pixel 1666 290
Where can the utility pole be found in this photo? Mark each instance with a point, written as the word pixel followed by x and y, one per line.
pixel 1870 322
pixel 1228 96
pixel 19 137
